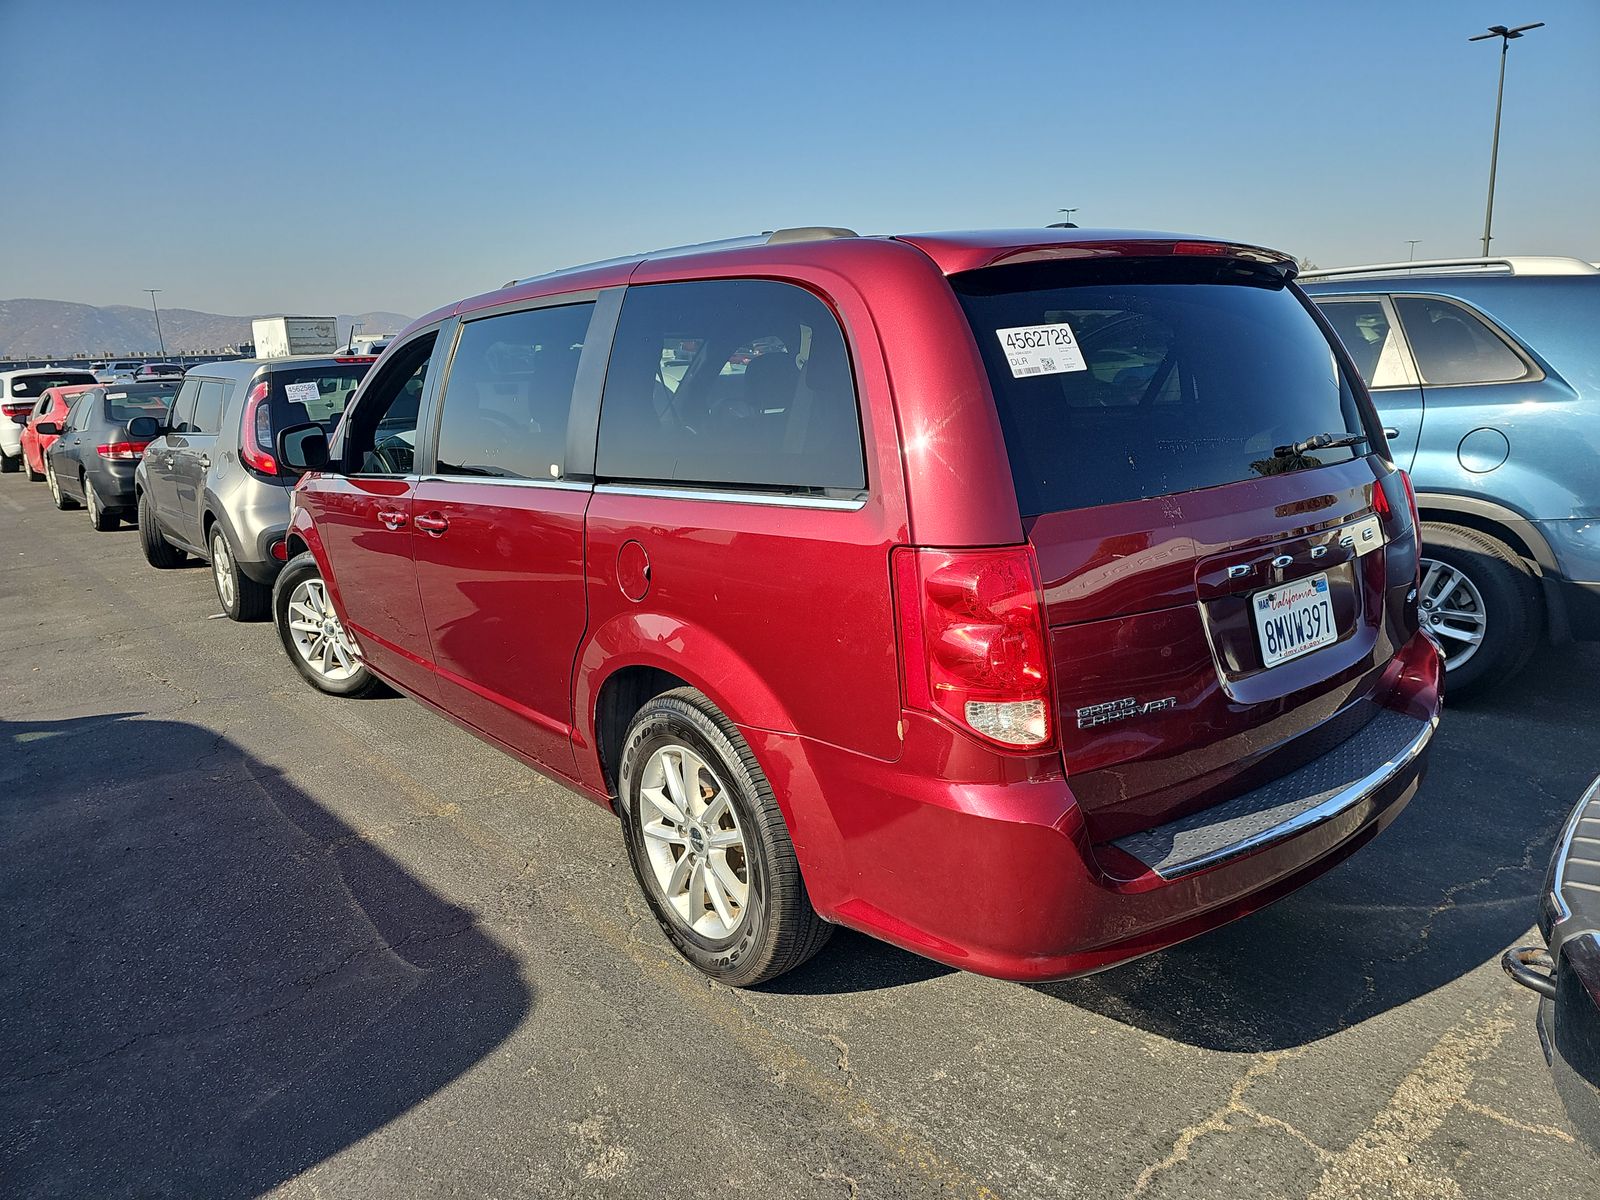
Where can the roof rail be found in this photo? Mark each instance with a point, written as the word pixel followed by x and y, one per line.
pixel 1517 265
pixel 769 237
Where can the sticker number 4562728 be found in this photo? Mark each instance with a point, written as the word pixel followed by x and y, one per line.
pixel 1041 350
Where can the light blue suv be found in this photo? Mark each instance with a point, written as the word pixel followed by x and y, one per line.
pixel 1487 374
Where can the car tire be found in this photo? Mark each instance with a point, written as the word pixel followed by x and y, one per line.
pixel 242 598
pixel 33 476
pixel 59 498
pixel 99 517
pixel 9 465
pixel 301 595
pixel 721 876
pixel 158 552
pixel 1480 600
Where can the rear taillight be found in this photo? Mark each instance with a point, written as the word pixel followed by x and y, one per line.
pixel 122 451
pixel 1411 502
pixel 255 434
pixel 973 642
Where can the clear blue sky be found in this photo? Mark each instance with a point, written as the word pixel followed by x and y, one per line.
pixel 261 156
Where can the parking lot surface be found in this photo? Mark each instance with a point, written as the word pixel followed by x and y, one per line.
pixel 258 940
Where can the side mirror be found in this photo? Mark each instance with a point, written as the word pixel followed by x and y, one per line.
pixel 303 448
pixel 47 429
pixel 145 429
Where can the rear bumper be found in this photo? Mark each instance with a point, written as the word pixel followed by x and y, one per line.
pixel 10 437
pixel 1001 877
pixel 113 482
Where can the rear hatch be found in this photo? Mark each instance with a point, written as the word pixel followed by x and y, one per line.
pixel 1219 603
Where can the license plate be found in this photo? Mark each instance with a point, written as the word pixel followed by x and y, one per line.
pixel 1294 619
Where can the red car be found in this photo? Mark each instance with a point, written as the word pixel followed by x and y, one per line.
pixel 1035 600
pixel 52 406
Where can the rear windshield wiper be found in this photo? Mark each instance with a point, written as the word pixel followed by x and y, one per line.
pixel 1319 441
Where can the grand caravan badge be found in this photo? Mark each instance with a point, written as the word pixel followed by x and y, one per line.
pixel 1121 710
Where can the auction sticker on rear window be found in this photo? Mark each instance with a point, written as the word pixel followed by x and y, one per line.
pixel 1041 350
pixel 302 393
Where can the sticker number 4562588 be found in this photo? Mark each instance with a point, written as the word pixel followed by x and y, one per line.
pixel 1041 350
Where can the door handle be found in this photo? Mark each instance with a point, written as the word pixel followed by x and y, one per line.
pixel 1390 432
pixel 434 523
pixel 392 517
pixel 205 461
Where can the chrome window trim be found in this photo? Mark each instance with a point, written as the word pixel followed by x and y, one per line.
pixel 560 485
pixel 770 499
pixel 1346 798
pixel 1558 875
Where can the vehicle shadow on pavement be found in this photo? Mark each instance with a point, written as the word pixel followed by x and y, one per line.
pixel 211 983
pixel 1446 888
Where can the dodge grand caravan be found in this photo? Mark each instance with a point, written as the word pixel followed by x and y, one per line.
pixel 1031 600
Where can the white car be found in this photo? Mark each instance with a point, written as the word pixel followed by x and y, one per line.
pixel 19 392
pixel 123 368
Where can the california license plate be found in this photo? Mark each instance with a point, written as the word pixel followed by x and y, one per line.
pixel 1294 619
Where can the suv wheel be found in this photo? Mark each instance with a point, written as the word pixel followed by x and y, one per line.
pixel 242 598
pixel 158 552
pixel 312 634
pixel 709 846
pixel 1482 603
pixel 9 465
pixel 102 520
pixel 60 498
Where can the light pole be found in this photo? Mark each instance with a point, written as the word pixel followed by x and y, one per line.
pixel 1066 224
pixel 1412 242
pixel 1505 35
pixel 161 341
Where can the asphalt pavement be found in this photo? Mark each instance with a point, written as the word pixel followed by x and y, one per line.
pixel 255 940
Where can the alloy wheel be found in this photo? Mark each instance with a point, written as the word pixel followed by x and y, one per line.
pixel 1453 610
pixel 55 485
pixel 222 570
pixel 694 842
pixel 91 501
pixel 318 636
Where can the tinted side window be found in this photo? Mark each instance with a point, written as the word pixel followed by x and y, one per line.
pixel 78 418
pixel 1364 328
pixel 730 382
pixel 381 432
pixel 1453 345
pixel 182 419
pixel 509 391
pixel 208 407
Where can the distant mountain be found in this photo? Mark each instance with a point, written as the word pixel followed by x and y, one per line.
pixel 60 329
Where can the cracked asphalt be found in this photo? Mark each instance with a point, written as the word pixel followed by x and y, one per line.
pixel 259 941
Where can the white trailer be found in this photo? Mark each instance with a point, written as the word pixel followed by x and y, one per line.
pixel 279 337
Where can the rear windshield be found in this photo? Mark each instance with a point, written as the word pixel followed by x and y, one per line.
pixel 34 386
pixel 1146 377
pixel 126 404
pixel 314 394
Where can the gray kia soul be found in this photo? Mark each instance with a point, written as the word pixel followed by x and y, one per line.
pixel 210 486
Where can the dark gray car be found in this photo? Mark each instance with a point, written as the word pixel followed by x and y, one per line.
pixel 210 486
pixel 93 461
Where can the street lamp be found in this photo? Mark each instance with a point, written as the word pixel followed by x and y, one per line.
pixel 161 341
pixel 1505 35
pixel 1412 242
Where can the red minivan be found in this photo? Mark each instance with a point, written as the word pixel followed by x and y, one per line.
pixel 1031 600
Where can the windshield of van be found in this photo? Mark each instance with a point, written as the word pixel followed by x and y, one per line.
pixel 1136 378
